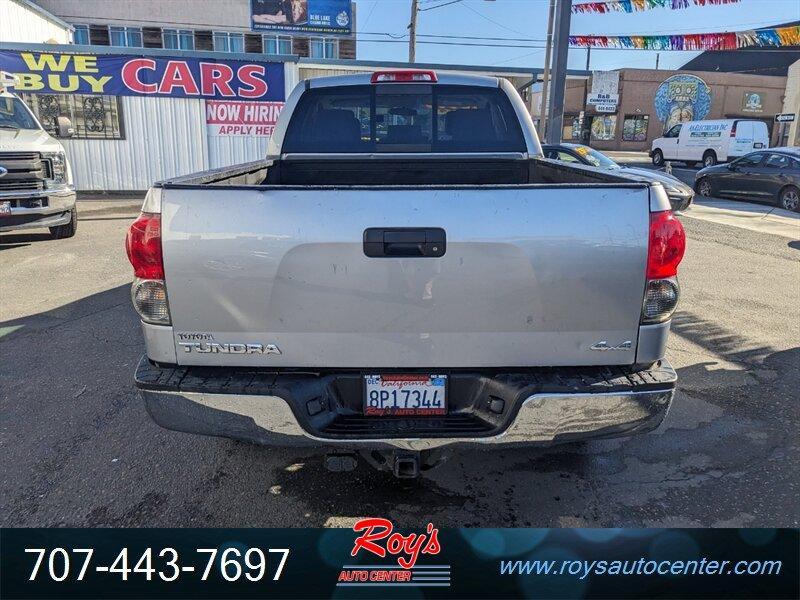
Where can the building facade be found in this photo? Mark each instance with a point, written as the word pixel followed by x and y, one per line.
pixel 791 106
pixel 651 101
pixel 203 25
pixel 24 21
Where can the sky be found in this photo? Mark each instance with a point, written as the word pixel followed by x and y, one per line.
pixel 525 21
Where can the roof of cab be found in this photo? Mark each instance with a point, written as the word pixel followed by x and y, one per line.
pixel 366 79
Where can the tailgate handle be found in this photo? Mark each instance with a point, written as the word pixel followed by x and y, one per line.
pixel 393 242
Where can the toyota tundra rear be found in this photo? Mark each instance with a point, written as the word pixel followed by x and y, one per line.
pixel 405 273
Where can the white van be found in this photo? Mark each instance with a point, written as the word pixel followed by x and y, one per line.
pixel 710 142
pixel 36 188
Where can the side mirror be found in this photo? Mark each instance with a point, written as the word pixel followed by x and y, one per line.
pixel 65 128
pixel 731 167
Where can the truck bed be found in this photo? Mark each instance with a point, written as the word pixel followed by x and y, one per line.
pixel 378 170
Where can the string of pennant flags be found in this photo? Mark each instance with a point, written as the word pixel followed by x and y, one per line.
pixel 640 5
pixel 775 37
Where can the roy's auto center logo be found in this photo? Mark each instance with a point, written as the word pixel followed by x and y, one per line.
pixel 131 75
pixel 404 557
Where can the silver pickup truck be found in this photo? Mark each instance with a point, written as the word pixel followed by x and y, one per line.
pixel 405 273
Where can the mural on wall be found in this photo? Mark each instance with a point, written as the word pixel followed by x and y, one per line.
pixel 604 127
pixel 682 98
pixel 753 102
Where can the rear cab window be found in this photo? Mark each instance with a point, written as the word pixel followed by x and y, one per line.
pixel 397 117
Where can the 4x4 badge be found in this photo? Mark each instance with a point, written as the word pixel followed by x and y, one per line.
pixel 603 346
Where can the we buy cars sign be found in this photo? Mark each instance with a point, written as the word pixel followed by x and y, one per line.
pixel 226 118
pixel 131 75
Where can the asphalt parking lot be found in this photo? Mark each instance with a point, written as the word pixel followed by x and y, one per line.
pixel 78 448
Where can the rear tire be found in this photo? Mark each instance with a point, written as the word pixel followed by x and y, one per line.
pixel 658 158
pixel 59 232
pixel 704 187
pixel 709 158
pixel 789 198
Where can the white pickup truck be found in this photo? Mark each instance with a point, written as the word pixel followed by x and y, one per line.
pixel 36 188
pixel 404 273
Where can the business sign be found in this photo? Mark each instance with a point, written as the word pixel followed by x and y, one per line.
pixel 605 82
pixel 302 16
pixel 682 98
pixel 128 75
pixel 604 103
pixel 753 102
pixel 235 118
pixel 708 130
pixel 605 91
pixel 785 118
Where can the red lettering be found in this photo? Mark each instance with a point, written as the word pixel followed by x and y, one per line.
pixel 410 546
pixel 367 539
pixel 256 87
pixel 130 75
pixel 178 75
pixel 214 76
pixel 432 547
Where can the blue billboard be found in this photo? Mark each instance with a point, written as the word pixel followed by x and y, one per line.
pixel 131 75
pixel 302 16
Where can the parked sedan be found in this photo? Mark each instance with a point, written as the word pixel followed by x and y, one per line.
pixel 680 194
pixel 772 175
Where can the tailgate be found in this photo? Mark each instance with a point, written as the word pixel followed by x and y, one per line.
pixel 530 276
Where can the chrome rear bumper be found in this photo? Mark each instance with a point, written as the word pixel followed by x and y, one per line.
pixel 539 418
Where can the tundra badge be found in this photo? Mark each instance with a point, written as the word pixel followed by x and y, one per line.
pixel 228 348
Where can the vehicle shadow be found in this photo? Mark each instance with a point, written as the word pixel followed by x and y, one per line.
pixel 19 240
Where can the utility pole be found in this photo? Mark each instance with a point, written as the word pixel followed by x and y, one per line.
pixel 559 78
pixel 658 55
pixel 412 34
pixel 546 75
pixel 584 138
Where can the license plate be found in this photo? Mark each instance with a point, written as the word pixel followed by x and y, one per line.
pixel 5 208
pixel 405 395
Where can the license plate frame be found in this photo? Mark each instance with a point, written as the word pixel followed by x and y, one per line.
pixel 5 208
pixel 402 399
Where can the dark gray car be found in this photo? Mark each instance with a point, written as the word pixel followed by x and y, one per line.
pixel 680 195
pixel 772 175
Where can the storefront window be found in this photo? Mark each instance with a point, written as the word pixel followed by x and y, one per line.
pixel 81 35
pixel 604 127
pixel 324 48
pixel 228 42
pixel 277 44
pixel 178 39
pixel 130 37
pixel 93 117
pixel 634 128
pixel 571 131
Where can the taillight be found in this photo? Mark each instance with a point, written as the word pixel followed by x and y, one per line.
pixel 143 245
pixel 667 245
pixel 664 253
pixel 149 291
pixel 733 130
pixel 403 76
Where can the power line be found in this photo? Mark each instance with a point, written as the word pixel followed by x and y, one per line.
pixel 440 5
pixel 481 15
